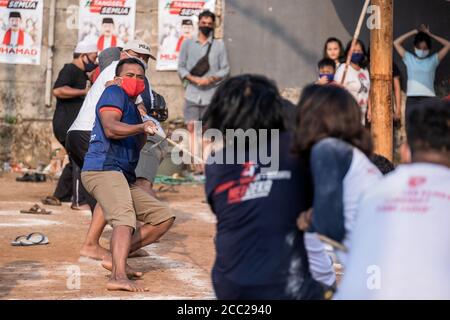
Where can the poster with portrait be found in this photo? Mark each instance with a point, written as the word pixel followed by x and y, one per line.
pixel 21 31
pixel 108 23
pixel 178 21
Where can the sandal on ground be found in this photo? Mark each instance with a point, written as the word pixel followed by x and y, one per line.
pixel 170 188
pixel 33 239
pixel 51 201
pixel 36 209
pixel 32 177
pixel 83 207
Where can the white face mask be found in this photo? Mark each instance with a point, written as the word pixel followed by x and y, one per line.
pixel 421 53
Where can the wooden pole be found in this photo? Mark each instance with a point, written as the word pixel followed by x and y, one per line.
pixel 355 37
pixel 381 40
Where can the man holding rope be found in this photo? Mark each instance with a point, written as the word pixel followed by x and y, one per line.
pixel 79 134
pixel 109 173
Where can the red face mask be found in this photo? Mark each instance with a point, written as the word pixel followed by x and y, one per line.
pixel 132 86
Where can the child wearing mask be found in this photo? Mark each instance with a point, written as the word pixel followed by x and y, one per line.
pixel 327 69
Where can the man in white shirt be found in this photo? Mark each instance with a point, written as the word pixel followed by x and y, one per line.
pixel 169 44
pixel 401 244
pixel 14 35
pixel 108 38
pixel 79 135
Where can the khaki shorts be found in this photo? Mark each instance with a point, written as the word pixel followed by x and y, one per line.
pixel 124 203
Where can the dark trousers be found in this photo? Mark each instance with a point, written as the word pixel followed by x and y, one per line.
pixel 413 103
pixel 69 187
pixel 64 187
pixel 77 144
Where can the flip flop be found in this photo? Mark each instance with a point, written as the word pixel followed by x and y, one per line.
pixel 170 188
pixel 38 238
pixel 36 209
pixel 33 239
pixel 32 177
pixel 21 241
pixel 51 201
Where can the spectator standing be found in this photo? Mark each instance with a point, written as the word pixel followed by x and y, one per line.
pixel 357 80
pixel 421 65
pixel 201 85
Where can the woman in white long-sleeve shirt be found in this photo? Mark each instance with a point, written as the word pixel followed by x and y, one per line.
pixel 337 147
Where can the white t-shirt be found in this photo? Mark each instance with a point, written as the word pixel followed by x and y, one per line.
pixel 357 82
pixel 401 242
pixel 14 42
pixel 86 117
pixel 108 42
pixel 354 189
pixel 337 168
pixel 169 45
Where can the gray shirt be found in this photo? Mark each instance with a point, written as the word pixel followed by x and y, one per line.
pixel 191 52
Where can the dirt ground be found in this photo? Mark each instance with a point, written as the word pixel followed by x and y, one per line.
pixel 177 267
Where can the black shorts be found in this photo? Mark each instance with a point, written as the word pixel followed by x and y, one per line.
pixel 77 145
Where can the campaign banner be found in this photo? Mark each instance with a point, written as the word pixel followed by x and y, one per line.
pixel 108 23
pixel 21 31
pixel 178 21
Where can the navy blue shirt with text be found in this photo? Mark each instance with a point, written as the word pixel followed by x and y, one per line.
pixel 106 154
pixel 258 242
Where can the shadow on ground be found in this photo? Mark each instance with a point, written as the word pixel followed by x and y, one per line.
pixel 13 272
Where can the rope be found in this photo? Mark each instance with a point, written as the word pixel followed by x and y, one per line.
pixel 170 180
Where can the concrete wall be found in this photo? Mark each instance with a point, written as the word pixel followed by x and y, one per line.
pixel 22 87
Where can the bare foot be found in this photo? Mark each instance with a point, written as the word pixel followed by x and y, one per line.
pixel 138 254
pixel 199 168
pixel 107 264
pixel 95 252
pixel 124 285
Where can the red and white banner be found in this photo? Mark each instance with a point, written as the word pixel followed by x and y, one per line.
pixel 108 23
pixel 21 31
pixel 178 21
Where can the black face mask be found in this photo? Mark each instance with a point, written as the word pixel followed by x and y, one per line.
pixel 90 66
pixel 206 30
